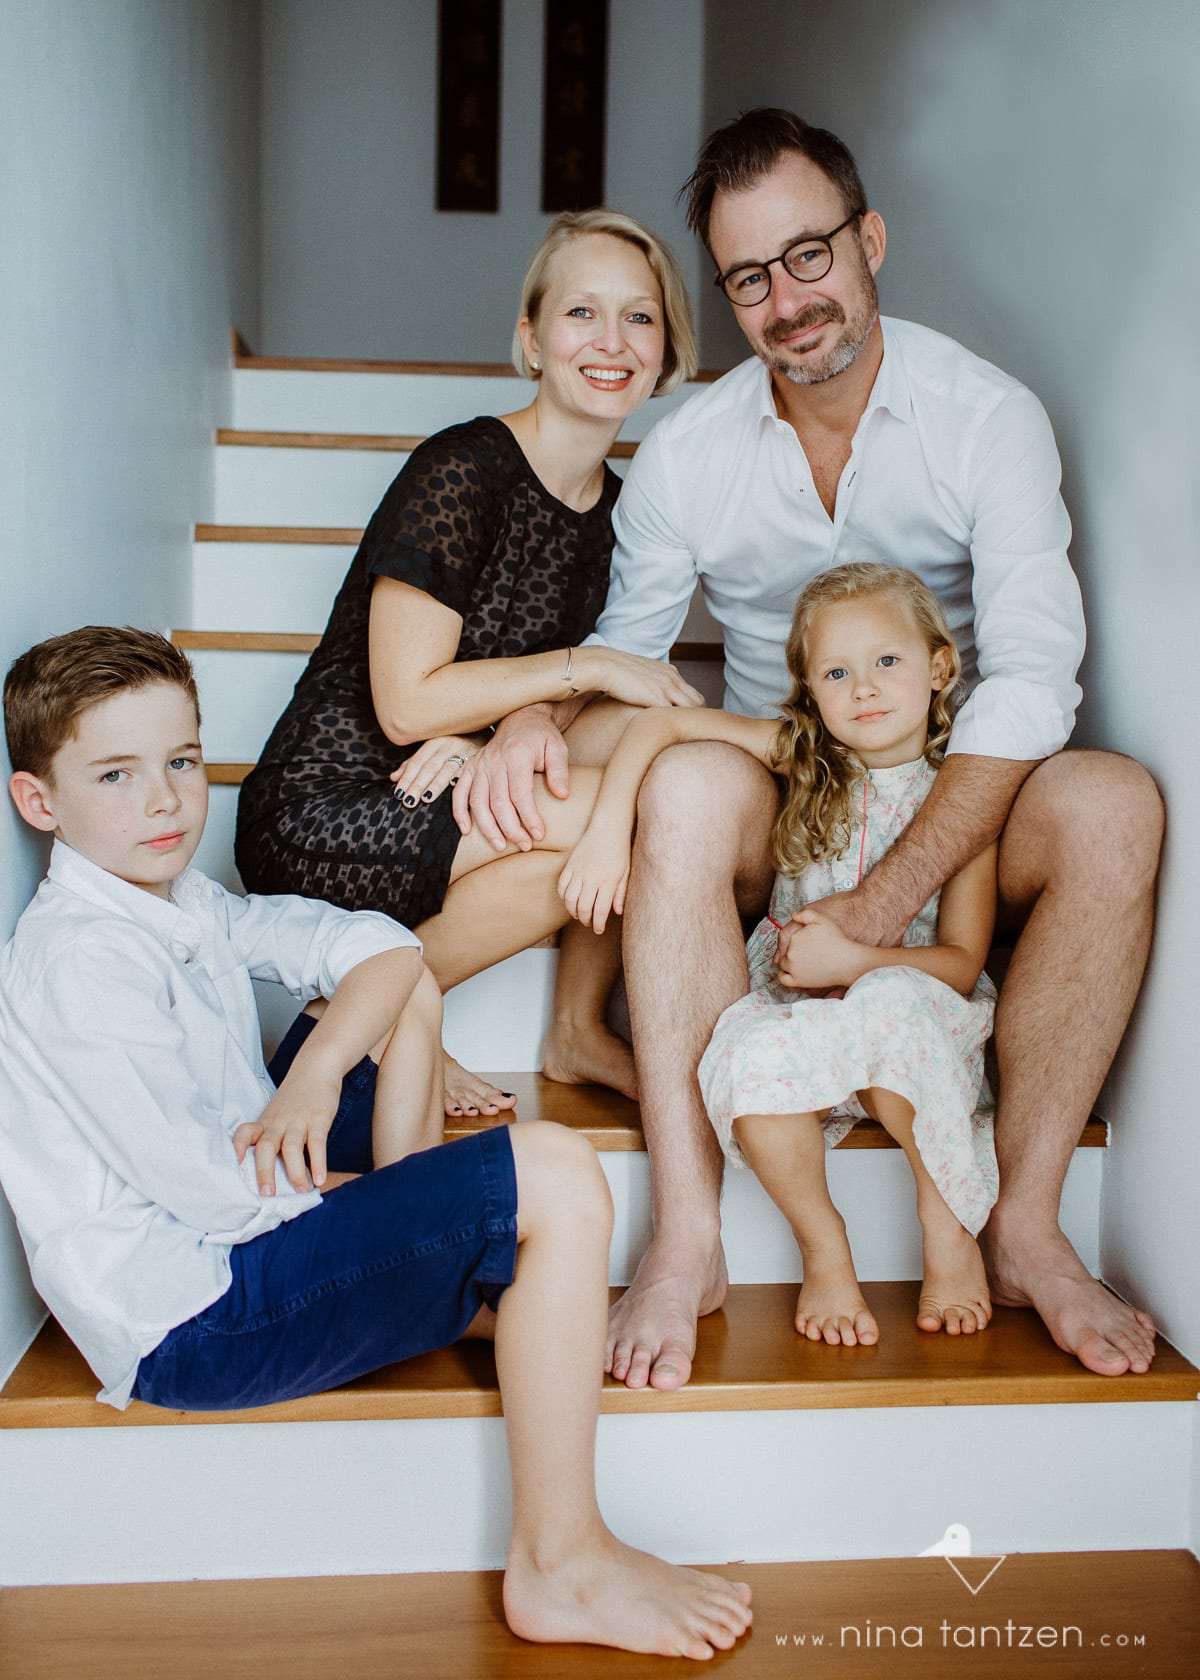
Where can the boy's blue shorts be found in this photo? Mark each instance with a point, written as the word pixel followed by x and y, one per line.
pixel 393 1264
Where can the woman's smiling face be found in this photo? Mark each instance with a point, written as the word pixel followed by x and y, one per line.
pixel 599 334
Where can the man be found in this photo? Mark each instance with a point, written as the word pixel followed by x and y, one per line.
pixel 851 438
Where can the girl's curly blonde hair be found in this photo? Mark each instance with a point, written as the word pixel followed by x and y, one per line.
pixel 823 776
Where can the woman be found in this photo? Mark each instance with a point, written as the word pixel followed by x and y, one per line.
pixel 481 572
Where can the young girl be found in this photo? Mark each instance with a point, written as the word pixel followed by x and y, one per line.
pixel 849 1030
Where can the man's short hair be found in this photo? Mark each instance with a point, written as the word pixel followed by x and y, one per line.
pixel 47 688
pixel 738 156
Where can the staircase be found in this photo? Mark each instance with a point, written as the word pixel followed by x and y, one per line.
pixel 777 1450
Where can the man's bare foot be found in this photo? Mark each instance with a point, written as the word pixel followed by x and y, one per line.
pixel 1085 1318
pixel 470 1093
pixel 609 1594
pixel 589 1056
pixel 954 1293
pixel 831 1307
pixel 652 1328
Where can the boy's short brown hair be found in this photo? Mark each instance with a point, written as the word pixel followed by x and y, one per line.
pixel 47 688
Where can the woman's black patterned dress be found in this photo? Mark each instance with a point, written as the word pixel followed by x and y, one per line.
pixel 469 523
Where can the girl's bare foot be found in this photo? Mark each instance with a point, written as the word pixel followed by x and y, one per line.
pixel 607 1593
pixel 471 1093
pixel 954 1293
pixel 831 1307
pixel 589 1056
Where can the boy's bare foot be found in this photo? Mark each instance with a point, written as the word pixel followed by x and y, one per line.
pixel 652 1328
pixel 831 1307
pixel 954 1292
pixel 589 1056
pixel 1084 1318
pixel 609 1594
pixel 471 1093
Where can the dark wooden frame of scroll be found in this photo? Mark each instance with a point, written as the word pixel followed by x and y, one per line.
pixel 575 93
pixel 468 117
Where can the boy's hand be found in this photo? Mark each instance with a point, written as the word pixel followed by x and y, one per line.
pixel 298 1117
pixel 594 878
pixel 814 953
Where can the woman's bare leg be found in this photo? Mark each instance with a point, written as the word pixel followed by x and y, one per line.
pixel 568 1577
pixel 580 1049
pixel 499 903
pixel 787 1152
pixel 954 1291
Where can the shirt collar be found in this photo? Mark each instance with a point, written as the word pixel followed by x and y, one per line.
pixel 168 920
pixel 889 391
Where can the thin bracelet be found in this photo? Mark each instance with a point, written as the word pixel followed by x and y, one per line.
pixel 566 676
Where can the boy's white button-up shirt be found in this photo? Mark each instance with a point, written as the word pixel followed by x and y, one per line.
pixel 953 472
pixel 130 1052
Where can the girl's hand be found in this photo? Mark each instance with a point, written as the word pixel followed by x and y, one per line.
pixel 433 767
pixel 633 678
pixel 594 878
pixel 815 955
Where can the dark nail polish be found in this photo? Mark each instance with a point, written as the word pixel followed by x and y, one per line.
pixel 508 1093
pixel 428 794
pixel 409 800
pixel 454 781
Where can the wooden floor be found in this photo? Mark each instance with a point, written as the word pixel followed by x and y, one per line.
pixel 748 1358
pixel 1072 1616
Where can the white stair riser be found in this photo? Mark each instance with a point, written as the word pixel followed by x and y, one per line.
pixel 306 486
pixel 242 694
pixel 414 404
pixel 175 1503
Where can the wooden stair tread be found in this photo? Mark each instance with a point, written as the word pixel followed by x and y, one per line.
pixel 451 1627
pixel 304 641
pixel 748 1358
pixel 344 535
pixel 375 442
pixel 611 1122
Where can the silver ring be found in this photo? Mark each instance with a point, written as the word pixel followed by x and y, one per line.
pixel 457 758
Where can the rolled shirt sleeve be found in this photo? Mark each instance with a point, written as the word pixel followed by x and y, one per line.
pixel 305 946
pixel 1029 630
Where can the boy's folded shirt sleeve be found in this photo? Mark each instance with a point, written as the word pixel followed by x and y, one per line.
pixel 307 947
pixel 123 1085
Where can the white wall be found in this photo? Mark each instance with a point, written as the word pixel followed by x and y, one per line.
pixel 127 249
pixel 356 261
pixel 1036 166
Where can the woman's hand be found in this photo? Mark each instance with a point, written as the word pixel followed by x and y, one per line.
pixel 595 876
pixel 815 955
pixel 633 678
pixel 434 767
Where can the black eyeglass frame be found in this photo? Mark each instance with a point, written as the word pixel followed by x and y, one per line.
pixel 825 239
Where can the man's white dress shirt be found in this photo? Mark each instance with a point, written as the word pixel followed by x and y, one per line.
pixel 130 1053
pixel 953 472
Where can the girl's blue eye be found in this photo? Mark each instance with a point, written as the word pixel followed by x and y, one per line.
pixel 838 671
pixel 887 659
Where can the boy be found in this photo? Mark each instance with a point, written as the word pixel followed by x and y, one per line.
pixel 159 1179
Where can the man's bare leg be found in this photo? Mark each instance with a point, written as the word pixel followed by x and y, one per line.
pixel 1078 860
pixel 579 1048
pixel 704 823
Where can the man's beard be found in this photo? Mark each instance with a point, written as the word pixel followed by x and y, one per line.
pixel 815 369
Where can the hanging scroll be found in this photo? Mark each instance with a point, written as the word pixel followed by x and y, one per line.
pixel 576 79
pixel 468 146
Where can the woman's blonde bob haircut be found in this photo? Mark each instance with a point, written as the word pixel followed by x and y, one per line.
pixel 679 352
pixel 824 777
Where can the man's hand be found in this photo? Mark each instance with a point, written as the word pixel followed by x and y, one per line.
pixel 297 1118
pixel 495 788
pixel 859 919
pixel 814 953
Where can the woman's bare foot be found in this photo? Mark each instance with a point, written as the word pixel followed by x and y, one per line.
pixel 606 1593
pixel 589 1056
pixel 954 1292
pixel 652 1328
pixel 471 1093
pixel 831 1307
pixel 1084 1318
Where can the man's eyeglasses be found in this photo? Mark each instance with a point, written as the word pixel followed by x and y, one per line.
pixel 807 260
